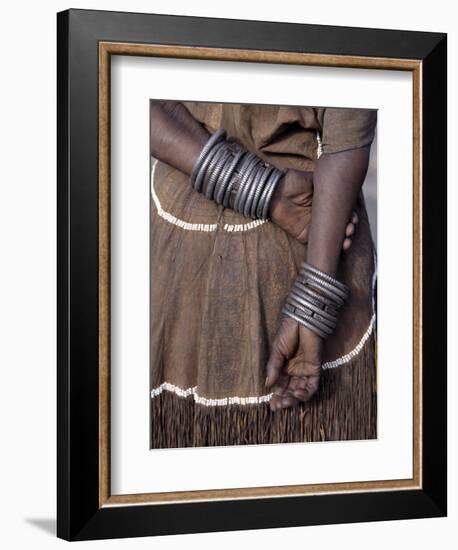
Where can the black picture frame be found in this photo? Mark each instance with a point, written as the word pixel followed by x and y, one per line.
pixel 80 516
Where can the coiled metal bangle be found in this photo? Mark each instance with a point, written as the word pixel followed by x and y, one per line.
pixel 234 177
pixel 265 201
pixel 315 300
pixel 305 267
pixel 220 161
pixel 264 177
pixel 214 138
pixel 244 179
pixel 228 180
pixel 202 173
pixel 304 321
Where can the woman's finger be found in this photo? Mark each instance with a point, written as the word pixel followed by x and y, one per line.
pixel 297 387
pixel 349 230
pixel 288 401
pixel 313 384
pixel 301 395
pixel 346 244
pixel 297 383
pixel 284 345
pixel 275 402
pixel 304 387
pixel 274 365
pixel 278 391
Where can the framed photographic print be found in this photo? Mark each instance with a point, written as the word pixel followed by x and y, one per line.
pixel 251 274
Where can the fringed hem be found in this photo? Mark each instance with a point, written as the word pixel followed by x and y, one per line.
pixel 345 408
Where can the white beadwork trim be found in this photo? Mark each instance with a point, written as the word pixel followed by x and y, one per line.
pixel 374 281
pixel 171 387
pixel 319 151
pixel 243 226
pixel 206 227
pixel 354 352
pixel 209 402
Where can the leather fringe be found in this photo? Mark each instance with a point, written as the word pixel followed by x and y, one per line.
pixel 345 408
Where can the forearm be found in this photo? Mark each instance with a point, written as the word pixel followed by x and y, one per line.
pixel 337 181
pixel 177 138
pixel 221 169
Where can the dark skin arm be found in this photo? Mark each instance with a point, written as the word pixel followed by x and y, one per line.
pixel 294 366
pixel 177 139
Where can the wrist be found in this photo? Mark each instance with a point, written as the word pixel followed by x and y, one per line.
pixel 315 300
pixel 312 344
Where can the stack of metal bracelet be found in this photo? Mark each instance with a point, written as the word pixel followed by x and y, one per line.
pixel 315 300
pixel 232 176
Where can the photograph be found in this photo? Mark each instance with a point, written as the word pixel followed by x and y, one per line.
pixel 262 274
pixel 251 283
pixel 228 300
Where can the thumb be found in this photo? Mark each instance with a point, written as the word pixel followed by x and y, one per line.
pixel 285 342
pixel 274 365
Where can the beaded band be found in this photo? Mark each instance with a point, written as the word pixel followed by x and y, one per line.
pixel 315 300
pixel 228 174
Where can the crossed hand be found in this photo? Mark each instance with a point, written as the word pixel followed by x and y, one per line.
pixel 294 365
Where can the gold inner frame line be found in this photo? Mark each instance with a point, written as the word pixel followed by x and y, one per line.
pixel 106 50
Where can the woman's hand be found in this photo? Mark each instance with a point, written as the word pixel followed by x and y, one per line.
pixel 291 207
pixel 294 366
